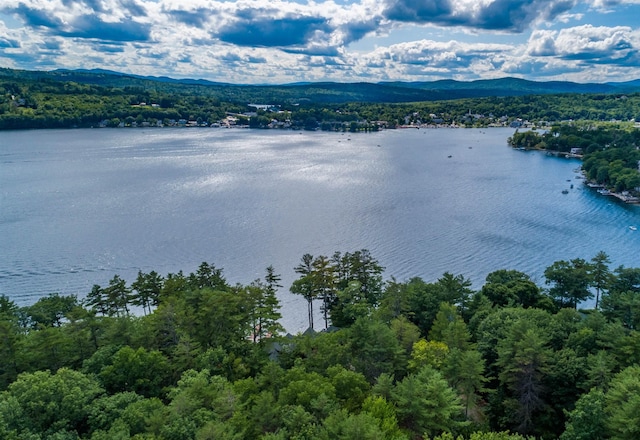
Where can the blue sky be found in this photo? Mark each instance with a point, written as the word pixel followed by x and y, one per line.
pixel 279 41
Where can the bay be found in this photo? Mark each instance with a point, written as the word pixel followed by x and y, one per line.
pixel 79 206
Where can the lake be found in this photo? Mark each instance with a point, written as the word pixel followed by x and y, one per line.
pixel 79 206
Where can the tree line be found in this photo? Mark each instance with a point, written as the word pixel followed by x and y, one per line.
pixel 27 103
pixel 193 357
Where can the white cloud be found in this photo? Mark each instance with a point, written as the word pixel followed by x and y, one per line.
pixel 590 44
pixel 282 41
pixel 434 60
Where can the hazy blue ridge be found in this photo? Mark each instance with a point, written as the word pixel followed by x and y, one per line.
pixel 334 92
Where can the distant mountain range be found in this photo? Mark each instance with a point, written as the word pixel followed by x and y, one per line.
pixel 331 92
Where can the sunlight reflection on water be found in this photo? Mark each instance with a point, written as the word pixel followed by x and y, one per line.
pixel 78 208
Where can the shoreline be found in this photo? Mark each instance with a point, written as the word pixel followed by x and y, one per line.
pixel 600 188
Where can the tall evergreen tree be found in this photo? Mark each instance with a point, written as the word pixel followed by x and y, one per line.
pixel 523 361
pixel 264 306
pixel 207 276
pixel 304 285
pixel 426 404
pixel 147 288
pixel 97 300
pixel 600 274
pixel 118 297
pixel 324 284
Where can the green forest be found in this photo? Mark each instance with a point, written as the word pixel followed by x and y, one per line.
pixel 189 356
pixel 31 100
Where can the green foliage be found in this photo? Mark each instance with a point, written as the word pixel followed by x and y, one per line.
pixel 587 420
pixel 70 99
pixel 10 347
pixel 426 404
pixel 147 288
pixel 464 370
pixel 512 288
pixel 50 311
pixel 449 328
pixel 386 416
pixel 202 397
pixel 50 403
pixel 349 285
pixel 206 359
pixel 311 391
pixel 342 425
pixel 523 358
pixel 483 436
pixel 106 410
pixel 622 404
pixel 263 307
pixel 141 371
pixel 570 282
pixel 623 306
pixel 375 349
pixel 528 140
pixel 406 332
pixel 351 387
pixel 428 353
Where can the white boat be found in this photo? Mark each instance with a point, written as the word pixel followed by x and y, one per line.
pixel 633 228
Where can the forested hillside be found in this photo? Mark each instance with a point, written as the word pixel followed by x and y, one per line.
pixel 398 360
pixel 64 99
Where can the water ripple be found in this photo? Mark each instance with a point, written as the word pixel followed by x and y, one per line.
pixel 79 209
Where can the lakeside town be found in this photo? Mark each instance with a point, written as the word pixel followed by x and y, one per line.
pixel 271 116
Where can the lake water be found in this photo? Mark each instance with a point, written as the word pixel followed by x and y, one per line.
pixel 79 206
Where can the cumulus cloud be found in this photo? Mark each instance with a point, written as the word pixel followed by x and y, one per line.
pixel 282 32
pixel 542 43
pixel 605 5
pixel 104 47
pixel 420 11
pixel 436 59
pixel 84 19
pixel 197 17
pixel 541 68
pixel 33 17
pixel 500 15
pixel 356 30
pixel 589 44
pixel 292 40
pixel 6 42
pixel 516 16
pixel 90 26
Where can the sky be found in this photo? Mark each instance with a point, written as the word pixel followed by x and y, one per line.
pixel 280 41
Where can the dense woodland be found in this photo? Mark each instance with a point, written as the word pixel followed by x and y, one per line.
pixel 611 154
pixel 389 359
pixel 40 100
